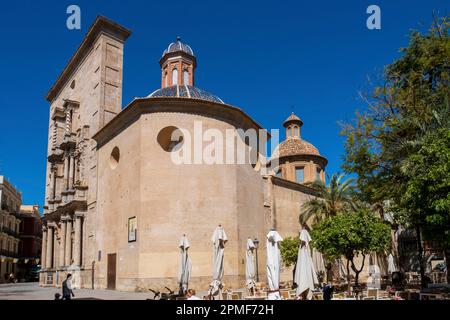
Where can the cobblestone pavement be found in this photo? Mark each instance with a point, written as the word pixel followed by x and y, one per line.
pixel 32 291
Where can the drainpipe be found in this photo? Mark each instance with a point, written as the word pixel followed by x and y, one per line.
pixel 93 271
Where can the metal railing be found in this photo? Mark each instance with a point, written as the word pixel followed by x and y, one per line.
pixel 9 231
pixel 8 253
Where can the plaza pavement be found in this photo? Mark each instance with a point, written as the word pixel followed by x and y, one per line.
pixel 32 291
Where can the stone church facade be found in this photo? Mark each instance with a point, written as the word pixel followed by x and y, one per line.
pixel 110 168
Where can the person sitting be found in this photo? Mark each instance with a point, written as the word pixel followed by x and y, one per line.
pixel 191 295
pixel 12 278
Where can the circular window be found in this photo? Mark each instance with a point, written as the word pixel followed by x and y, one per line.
pixel 170 138
pixel 114 159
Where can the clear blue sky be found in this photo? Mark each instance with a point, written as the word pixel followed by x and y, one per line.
pixel 267 57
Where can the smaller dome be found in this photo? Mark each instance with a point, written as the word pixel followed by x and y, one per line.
pixel 185 91
pixel 294 147
pixel 178 46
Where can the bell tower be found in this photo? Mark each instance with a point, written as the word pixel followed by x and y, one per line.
pixel 177 65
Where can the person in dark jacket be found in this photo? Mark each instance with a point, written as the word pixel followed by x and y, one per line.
pixel 67 291
pixel 328 291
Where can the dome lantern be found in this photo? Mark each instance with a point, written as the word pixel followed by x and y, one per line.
pixel 177 65
pixel 293 125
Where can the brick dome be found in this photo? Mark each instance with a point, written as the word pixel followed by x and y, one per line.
pixel 293 147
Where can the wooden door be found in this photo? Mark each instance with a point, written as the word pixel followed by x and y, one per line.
pixel 111 271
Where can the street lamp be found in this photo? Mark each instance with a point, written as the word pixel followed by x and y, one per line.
pixel 256 242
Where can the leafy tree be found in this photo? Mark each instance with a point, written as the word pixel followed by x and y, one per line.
pixel 386 144
pixel 350 235
pixel 337 197
pixel 427 197
pixel 289 250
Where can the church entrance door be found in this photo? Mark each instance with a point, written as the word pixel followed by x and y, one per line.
pixel 111 271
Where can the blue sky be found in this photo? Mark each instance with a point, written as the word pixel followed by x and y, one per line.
pixel 267 57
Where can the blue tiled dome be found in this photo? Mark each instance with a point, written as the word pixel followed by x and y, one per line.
pixel 185 91
pixel 178 46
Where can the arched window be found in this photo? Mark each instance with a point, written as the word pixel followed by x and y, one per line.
pixel 299 174
pixel 296 131
pixel 174 76
pixel 166 80
pixel 185 77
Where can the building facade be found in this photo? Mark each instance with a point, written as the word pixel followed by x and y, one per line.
pixel 116 202
pixel 30 247
pixel 10 200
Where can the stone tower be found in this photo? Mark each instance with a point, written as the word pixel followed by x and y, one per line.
pixel 84 98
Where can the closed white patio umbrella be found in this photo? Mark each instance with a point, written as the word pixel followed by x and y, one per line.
pixel 391 264
pixel 250 265
pixel 184 273
pixel 305 275
pixel 319 264
pixel 273 264
pixel 218 239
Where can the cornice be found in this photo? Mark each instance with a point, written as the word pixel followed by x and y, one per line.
pixel 101 25
pixel 139 106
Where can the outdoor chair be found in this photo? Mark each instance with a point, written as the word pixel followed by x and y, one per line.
pixel 285 294
pixel 372 293
pixel 339 296
pixel 317 296
pixel 224 295
pixel 383 295
pixel 401 294
pixel 292 294
pixel 234 296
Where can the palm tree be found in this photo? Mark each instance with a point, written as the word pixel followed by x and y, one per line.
pixel 337 197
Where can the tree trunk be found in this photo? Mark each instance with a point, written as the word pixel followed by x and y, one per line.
pixel 447 263
pixel 348 276
pixel 395 253
pixel 357 271
pixel 328 267
pixel 420 257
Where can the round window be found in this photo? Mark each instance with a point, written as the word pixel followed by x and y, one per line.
pixel 114 158
pixel 170 138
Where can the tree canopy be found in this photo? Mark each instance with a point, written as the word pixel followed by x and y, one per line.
pixel 289 250
pixel 398 147
pixel 351 234
pixel 336 197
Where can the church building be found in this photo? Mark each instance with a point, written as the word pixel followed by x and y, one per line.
pixel 116 205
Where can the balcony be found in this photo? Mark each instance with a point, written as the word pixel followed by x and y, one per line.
pixel 9 231
pixel 56 155
pixel 69 141
pixel 8 253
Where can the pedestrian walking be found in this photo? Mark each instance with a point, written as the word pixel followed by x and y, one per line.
pixel 67 291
